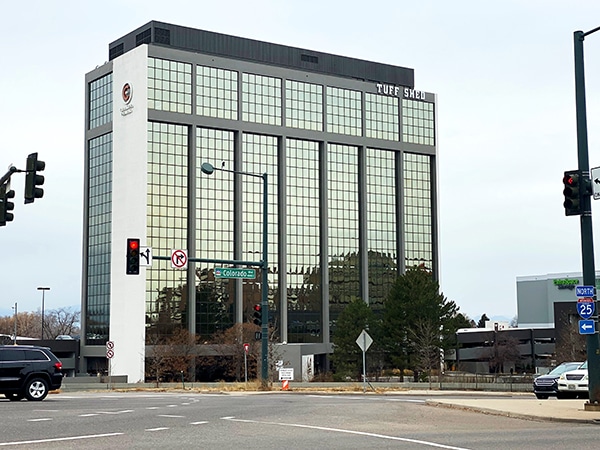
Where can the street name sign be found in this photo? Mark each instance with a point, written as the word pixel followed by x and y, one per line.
pixel 585 291
pixel 227 272
pixel 586 307
pixel 587 327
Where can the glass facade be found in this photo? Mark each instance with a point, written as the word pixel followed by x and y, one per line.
pixel 303 105
pixel 418 125
pixel 216 93
pixel 381 224
pixel 418 212
pixel 261 99
pixel 260 156
pixel 100 98
pixel 169 86
pixel 253 112
pixel 99 239
pixel 344 111
pixel 381 117
pixel 166 294
pixel 303 245
pixel 214 231
pixel 343 252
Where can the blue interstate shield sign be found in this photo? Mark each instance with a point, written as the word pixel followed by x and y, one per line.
pixel 586 307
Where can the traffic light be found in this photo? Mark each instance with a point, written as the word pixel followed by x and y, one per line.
pixel 133 257
pixel 5 205
pixel 576 187
pixel 257 316
pixel 32 179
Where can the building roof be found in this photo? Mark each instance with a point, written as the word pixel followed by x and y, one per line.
pixel 208 42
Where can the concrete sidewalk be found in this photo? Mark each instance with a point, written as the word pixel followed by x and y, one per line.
pixel 525 408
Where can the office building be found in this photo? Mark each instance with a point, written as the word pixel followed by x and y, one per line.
pixel 349 148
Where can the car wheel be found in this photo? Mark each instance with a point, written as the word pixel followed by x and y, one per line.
pixel 14 397
pixel 541 396
pixel 36 389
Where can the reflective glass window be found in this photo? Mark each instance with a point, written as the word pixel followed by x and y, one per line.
pixel 344 113
pixel 303 105
pixel 342 195
pixel 166 227
pixel 99 239
pixel 216 92
pixel 303 249
pixel 261 99
pixel 100 97
pixel 418 125
pixel 214 231
pixel 381 224
pixel 169 86
pixel 260 156
pixel 382 117
pixel 418 211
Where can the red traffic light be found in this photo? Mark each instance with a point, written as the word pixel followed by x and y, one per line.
pixel 257 307
pixel 133 244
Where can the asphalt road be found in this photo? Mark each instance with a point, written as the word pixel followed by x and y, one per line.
pixel 270 421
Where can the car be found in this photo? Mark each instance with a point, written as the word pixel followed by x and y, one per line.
pixel 574 383
pixel 28 371
pixel 546 385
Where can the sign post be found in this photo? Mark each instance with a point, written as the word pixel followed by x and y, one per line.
pixel 246 347
pixel 364 341
pixel 110 352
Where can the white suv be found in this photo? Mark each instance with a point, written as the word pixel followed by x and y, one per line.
pixel 574 383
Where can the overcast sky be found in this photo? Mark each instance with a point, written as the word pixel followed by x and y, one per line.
pixel 503 73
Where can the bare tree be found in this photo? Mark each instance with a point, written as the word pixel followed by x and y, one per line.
pixel 427 344
pixel 62 321
pixel 506 349
pixel 170 356
pixel 570 345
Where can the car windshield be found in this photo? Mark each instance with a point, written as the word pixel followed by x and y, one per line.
pixel 558 370
pixel 584 365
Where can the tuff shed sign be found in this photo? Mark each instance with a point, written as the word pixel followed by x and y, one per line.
pixel 399 91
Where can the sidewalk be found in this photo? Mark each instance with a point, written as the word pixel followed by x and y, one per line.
pixel 525 408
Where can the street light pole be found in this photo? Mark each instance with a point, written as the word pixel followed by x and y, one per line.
pixel 208 169
pixel 43 289
pixel 15 338
pixel 587 242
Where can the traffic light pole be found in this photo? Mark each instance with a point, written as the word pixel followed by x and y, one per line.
pixel 587 241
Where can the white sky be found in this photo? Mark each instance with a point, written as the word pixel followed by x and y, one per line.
pixel 503 72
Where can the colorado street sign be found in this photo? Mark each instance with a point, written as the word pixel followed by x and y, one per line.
pixel 226 272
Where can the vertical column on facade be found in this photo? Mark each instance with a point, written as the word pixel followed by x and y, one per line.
pixel 363 247
pixel 282 236
pixel 238 198
pixel 191 227
pixel 324 238
pixel 434 214
pixel 400 245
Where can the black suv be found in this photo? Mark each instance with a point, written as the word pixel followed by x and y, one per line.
pixel 28 371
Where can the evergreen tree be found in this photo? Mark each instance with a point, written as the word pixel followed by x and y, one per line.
pixel 347 355
pixel 482 321
pixel 415 301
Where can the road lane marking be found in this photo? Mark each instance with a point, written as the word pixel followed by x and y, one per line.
pixel 171 415
pixel 71 438
pixel 89 415
pixel 115 412
pixel 199 423
pixel 360 433
pixel 157 429
pixel 39 420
